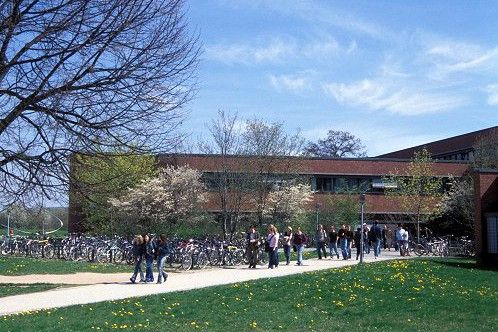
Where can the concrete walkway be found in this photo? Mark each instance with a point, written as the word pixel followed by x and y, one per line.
pixel 106 287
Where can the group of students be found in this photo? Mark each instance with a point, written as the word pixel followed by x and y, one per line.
pixel 345 238
pixel 290 240
pixel 341 240
pixel 148 249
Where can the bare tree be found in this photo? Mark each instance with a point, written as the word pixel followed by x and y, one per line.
pixel 271 150
pixel 418 189
pixel 228 182
pixel 76 75
pixel 338 144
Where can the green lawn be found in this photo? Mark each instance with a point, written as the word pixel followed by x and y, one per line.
pixel 13 266
pixel 409 295
pixel 16 289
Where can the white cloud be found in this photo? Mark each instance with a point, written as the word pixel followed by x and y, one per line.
pixel 492 91
pixel 378 95
pixel 278 50
pixel 450 56
pixel 274 51
pixel 295 83
pixel 321 48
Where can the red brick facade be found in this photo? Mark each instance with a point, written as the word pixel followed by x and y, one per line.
pixel 486 202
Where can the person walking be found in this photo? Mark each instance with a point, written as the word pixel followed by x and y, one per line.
pixel 287 241
pixel 333 242
pixel 321 238
pixel 138 255
pixel 406 238
pixel 162 249
pixel 252 238
pixel 376 238
pixel 149 258
pixel 366 238
pixel 399 239
pixel 357 241
pixel 349 238
pixel 272 239
pixel 344 242
pixel 299 240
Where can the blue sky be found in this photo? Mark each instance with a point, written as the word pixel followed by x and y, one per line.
pixel 393 73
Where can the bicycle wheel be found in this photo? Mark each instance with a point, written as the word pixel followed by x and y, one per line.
pixel 238 257
pixel 214 258
pixel 202 260
pixel 102 256
pixel 186 263
pixel 117 256
pixel 419 249
pixel 48 251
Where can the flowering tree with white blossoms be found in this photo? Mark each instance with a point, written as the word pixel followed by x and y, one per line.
pixel 173 194
pixel 287 202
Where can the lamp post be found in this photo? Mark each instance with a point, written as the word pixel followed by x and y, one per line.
pixel 317 208
pixel 362 203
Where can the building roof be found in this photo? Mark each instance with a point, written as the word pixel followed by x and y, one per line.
pixel 305 165
pixel 455 144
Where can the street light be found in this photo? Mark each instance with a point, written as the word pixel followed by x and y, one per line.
pixel 362 203
pixel 317 208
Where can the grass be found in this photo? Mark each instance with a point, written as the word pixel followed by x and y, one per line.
pixel 14 266
pixel 16 289
pixel 400 295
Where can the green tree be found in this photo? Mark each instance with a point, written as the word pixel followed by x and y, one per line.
pixel 457 206
pixel 102 176
pixel 486 150
pixel 345 208
pixel 418 190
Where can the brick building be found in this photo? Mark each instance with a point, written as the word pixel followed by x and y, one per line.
pixel 459 147
pixel 327 177
pixel 486 216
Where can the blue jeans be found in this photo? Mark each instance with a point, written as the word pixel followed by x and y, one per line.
pixel 161 275
pixel 377 247
pixel 344 248
pixel 273 257
pixel 287 253
pixel 300 250
pixel 366 246
pixel 348 246
pixel 333 247
pixel 149 261
pixel 138 268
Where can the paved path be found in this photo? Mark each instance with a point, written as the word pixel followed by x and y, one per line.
pixel 107 287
